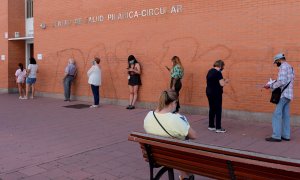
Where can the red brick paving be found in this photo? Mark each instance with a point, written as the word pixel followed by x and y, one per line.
pixel 40 140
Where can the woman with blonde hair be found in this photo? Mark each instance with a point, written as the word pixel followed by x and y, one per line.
pixel 177 73
pixel 163 122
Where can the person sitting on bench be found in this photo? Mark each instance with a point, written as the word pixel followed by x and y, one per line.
pixel 163 122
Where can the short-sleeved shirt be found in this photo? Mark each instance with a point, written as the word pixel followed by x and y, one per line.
pixel 20 75
pixel 176 125
pixel 70 69
pixel 177 72
pixel 33 69
pixel 213 82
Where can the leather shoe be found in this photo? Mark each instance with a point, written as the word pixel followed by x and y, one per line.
pixel 270 139
pixel 285 139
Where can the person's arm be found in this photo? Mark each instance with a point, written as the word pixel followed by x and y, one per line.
pixel 282 78
pixel 137 69
pixel 223 82
pixel 90 70
pixel 192 133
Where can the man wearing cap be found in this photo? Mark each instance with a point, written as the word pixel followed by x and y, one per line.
pixel 281 115
pixel 70 73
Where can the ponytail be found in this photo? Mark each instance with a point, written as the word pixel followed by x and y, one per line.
pixel 21 66
pixel 166 98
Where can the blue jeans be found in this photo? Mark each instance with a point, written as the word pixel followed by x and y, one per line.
pixel 95 90
pixel 281 119
pixel 67 86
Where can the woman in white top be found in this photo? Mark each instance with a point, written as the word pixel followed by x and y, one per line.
pixel 32 69
pixel 20 80
pixel 174 125
pixel 94 75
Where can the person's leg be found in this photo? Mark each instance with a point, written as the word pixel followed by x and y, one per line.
pixel 131 93
pixel 277 119
pixel 23 89
pixel 27 88
pixel 135 94
pixel 97 97
pixel 178 86
pixel 286 128
pixel 65 88
pixel 68 81
pixel 211 111
pixel 218 108
pixel 20 90
pixel 94 93
pixel 33 90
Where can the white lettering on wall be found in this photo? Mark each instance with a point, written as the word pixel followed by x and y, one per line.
pixel 134 14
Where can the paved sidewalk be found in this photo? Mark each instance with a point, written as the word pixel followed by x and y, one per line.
pixel 40 139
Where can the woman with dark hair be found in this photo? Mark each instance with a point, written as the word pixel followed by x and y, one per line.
pixel 163 122
pixel 20 80
pixel 214 91
pixel 134 80
pixel 177 73
pixel 32 69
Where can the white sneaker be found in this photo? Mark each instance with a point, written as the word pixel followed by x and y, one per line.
pixel 21 97
pixel 94 106
pixel 221 131
pixel 211 129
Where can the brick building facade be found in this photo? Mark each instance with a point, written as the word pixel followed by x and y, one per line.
pixel 245 34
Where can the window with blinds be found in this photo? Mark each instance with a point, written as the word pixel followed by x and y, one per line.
pixel 29 8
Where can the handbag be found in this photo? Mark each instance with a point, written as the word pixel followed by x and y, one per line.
pixel 276 94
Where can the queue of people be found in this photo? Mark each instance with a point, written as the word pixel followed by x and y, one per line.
pixel 173 124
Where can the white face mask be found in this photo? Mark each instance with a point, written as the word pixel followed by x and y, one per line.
pixel 131 62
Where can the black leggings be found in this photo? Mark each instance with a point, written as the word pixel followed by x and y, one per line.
pixel 177 86
pixel 215 110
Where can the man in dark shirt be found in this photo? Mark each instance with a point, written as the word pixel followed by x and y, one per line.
pixel 214 91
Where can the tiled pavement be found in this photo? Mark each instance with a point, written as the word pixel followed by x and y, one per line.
pixel 40 139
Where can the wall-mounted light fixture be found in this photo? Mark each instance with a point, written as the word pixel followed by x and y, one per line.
pixel 43 25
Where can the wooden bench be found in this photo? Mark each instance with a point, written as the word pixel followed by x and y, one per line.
pixel 212 161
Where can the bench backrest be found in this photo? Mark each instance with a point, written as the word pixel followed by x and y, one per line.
pixel 216 162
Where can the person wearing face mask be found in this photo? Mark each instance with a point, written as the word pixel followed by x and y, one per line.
pixel 94 74
pixel 281 115
pixel 214 90
pixel 163 122
pixel 70 73
pixel 134 80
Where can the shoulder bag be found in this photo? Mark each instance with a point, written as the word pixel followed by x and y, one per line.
pixel 276 94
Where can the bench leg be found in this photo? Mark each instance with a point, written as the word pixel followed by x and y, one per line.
pixel 231 170
pixel 162 172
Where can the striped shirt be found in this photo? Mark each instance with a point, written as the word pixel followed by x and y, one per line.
pixel 285 75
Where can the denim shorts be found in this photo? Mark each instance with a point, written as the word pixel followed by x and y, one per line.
pixel 30 80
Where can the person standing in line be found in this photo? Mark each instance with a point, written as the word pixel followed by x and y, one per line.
pixel 281 115
pixel 70 73
pixel 163 122
pixel 177 73
pixel 94 74
pixel 32 70
pixel 134 80
pixel 214 90
pixel 20 80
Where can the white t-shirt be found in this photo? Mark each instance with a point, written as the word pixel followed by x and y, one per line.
pixel 20 75
pixel 94 75
pixel 33 69
pixel 176 125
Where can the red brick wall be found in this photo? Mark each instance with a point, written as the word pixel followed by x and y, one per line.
pixel 245 34
pixel 3 43
pixel 16 53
